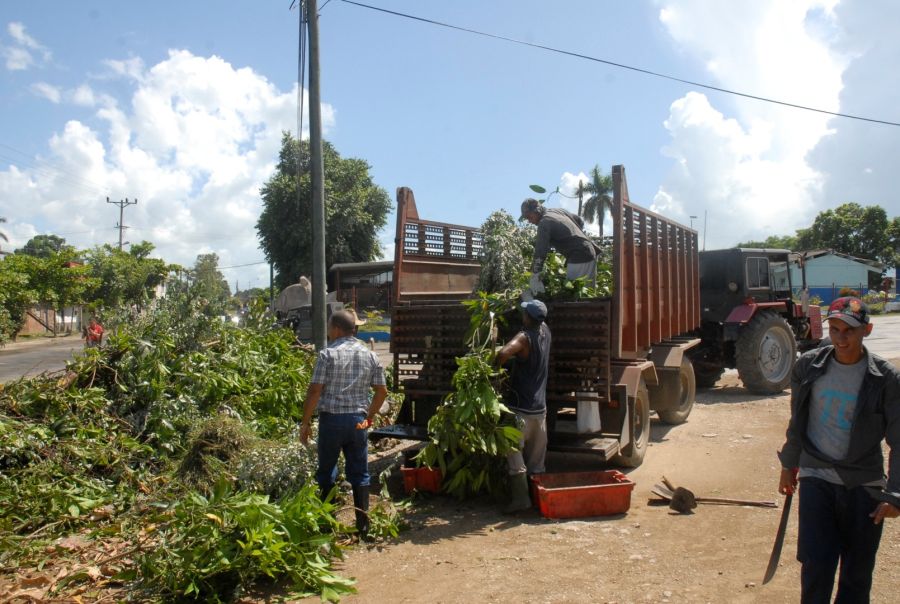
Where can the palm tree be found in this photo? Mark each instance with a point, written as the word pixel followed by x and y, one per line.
pixel 600 190
pixel 2 234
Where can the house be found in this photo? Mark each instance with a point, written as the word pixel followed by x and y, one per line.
pixel 828 271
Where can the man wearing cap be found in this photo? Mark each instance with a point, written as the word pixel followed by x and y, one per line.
pixel 357 322
pixel 563 231
pixel 530 351
pixel 344 373
pixel 845 401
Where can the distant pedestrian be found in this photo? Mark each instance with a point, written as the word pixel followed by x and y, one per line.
pixel 845 401
pixel 357 322
pixel 93 335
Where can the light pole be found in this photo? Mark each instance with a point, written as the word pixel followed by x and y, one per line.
pixel 692 220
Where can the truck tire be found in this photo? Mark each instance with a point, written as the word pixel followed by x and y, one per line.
pixel 707 378
pixel 685 398
pixel 707 362
pixel 765 353
pixel 633 454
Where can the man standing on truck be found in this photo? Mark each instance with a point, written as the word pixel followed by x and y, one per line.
pixel 563 231
pixel 844 402
pixel 343 375
pixel 530 349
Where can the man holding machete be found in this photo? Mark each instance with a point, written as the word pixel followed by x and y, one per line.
pixel 844 402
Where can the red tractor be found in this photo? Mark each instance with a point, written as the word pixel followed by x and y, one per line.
pixel 750 320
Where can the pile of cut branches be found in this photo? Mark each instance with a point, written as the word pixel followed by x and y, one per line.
pixel 170 457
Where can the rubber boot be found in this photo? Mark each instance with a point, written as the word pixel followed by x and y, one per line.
pixel 521 499
pixel 324 490
pixel 361 503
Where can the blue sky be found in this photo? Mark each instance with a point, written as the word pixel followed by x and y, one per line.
pixel 181 105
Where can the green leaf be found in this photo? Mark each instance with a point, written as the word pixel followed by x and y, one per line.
pixel 537 189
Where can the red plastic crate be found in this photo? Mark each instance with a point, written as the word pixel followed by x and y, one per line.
pixel 427 480
pixel 581 494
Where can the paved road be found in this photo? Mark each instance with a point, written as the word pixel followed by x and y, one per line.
pixel 885 338
pixel 30 358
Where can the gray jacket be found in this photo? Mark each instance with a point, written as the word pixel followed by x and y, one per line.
pixel 877 417
pixel 563 231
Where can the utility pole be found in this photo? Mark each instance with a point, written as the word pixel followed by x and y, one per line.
pixel 317 172
pixel 121 226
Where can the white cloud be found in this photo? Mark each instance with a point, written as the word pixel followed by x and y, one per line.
pixel 748 189
pixel 744 161
pixel 83 95
pixel 193 144
pixel 132 68
pixel 21 54
pixel 857 158
pixel 47 91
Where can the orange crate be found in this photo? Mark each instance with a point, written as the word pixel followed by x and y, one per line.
pixel 581 494
pixel 427 480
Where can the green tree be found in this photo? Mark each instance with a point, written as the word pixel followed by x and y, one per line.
pixel 599 189
pixel 208 283
pixel 124 277
pixel 16 295
pixel 355 210
pixel 60 279
pixel 506 254
pixel 44 246
pixel 893 243
pixel 781 242
pixel 851 229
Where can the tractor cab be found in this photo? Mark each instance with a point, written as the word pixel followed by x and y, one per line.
pixel 739 276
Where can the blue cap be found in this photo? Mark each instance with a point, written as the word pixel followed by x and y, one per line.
pixel 536 309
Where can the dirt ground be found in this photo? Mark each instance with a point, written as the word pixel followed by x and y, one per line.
pixel 469 552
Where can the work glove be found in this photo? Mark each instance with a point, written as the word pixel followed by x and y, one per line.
pixel 536 285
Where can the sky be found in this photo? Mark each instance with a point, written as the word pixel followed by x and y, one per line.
pixel 181 106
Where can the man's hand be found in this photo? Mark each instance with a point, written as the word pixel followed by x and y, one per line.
pixel 305 431
pixel 884 510
pixel 788 481
pixel 536 285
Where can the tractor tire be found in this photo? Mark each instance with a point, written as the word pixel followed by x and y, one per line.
pixel 765 354
pixel 633 454
pixel 685 398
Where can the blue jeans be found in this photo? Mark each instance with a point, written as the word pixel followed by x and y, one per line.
pixel 338 432
pixel 835 526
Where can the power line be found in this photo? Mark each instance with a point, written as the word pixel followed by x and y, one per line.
pixel 50 169
pixel 622 65
pixel 222 268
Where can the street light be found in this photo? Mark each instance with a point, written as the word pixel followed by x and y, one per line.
pixel 692 220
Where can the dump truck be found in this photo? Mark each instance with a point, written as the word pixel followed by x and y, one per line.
pixel 624 354
pixel 750 319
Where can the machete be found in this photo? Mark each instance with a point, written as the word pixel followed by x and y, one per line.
pixel 779 540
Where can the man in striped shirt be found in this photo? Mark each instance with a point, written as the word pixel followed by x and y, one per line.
pixel 345 371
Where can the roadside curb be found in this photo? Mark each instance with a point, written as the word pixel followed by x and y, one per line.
pixel 23 344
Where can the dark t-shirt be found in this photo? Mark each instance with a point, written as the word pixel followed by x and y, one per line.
pixel 529 376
